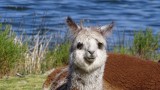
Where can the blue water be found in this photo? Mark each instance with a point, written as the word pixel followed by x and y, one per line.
pixel 49 15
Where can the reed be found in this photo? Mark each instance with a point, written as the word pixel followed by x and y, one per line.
pixel 36 53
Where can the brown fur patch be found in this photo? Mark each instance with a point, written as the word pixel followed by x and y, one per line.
pixel 132 73
pixel 53 77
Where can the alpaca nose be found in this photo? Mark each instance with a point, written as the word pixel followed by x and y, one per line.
pixel 91 52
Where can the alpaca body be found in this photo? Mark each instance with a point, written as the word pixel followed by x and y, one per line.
pixel 91 68
pixel 123 72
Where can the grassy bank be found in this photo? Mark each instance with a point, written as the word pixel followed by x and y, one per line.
pixel 29 82
pixel 32 56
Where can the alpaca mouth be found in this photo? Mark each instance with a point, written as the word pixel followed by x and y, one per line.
pixel 89 60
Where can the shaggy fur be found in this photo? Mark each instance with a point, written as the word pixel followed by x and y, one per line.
pixel 123 72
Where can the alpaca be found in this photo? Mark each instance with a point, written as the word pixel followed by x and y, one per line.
pixel 122 72
pixel 87 58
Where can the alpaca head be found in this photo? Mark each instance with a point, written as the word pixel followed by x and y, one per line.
pixel 88 51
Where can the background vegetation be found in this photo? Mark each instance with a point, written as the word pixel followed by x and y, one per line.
pixel 34 56
pixel 145 45
pixel 57 57
pixel 11 55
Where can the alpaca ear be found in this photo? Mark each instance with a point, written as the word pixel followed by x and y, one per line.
pixel 106 29
pixel 72 25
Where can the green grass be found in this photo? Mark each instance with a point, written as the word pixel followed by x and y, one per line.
pixel 29 82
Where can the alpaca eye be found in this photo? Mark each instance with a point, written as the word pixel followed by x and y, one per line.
pixel 100 45
pixel 80 45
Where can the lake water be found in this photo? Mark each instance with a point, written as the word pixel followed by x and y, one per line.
pixel 32 16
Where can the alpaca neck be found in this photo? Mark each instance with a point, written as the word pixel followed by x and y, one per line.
pixel 80 80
